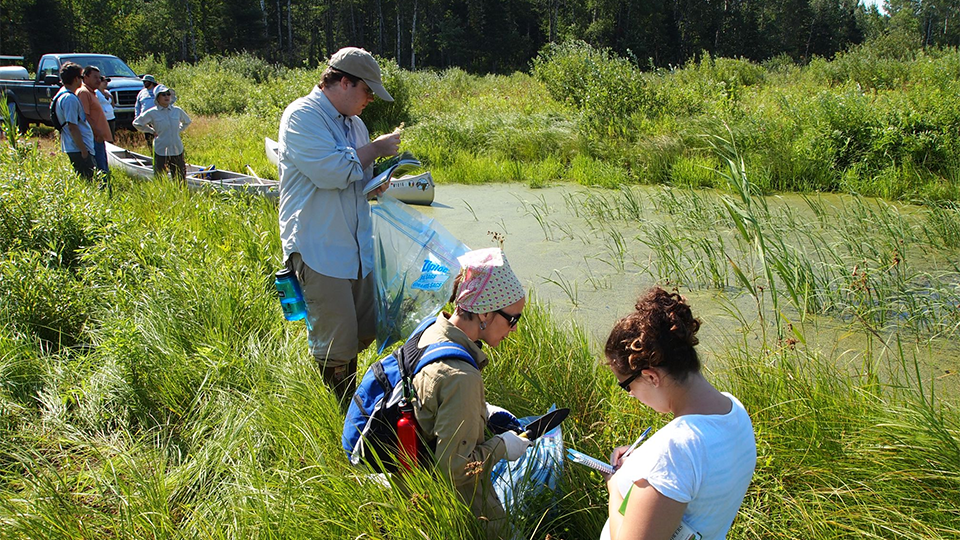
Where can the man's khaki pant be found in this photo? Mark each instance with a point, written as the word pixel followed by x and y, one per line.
pixel 341 322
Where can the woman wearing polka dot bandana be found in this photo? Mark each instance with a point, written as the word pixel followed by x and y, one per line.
pixel 451 412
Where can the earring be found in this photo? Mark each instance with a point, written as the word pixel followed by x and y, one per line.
pixel 483 325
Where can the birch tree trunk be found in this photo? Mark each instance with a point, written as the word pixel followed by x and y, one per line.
pixel 193 33
pixel 413 39
pixel 380 26
pixel 266 24
pixel 554 8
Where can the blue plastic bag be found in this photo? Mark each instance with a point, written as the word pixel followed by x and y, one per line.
pixel 519 483
pixel 415 266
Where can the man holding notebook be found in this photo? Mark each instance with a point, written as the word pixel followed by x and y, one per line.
pixel 326 157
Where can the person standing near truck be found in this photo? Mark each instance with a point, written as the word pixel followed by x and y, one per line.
pixel 76 137
pixel 326 229
pixel 98 121
pixel 165 122
pixel 106 103
pixel 146 100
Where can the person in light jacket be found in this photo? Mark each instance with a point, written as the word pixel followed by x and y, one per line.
pixel 326 227
pixel 451 408
pixel 146 100
pixel 165 122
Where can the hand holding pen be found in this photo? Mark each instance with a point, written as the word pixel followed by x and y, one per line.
pixel 621 453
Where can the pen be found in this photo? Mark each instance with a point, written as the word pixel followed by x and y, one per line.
pixel 635 443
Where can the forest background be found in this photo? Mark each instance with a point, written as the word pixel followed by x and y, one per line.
pixel 479 36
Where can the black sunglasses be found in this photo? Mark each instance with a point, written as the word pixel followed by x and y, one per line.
pixel 625 384
pixel 366 88
pixel 512 320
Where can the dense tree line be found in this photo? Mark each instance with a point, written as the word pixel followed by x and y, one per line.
pixel 477 35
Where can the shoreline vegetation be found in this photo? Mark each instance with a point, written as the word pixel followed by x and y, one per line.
pixel 149 385
pixel 871 121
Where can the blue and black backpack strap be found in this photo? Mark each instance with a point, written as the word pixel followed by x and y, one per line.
pixel 424 324
pixel 408 354
pixel 412 358
pixel 443 351
pixel 58 124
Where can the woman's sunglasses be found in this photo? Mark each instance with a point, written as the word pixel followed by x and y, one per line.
pixel 625 384
pixel 512 320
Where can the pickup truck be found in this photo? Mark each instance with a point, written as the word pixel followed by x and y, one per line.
pixel 29 99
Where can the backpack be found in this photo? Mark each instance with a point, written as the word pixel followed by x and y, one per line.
pixel 53 111
pixel 370 428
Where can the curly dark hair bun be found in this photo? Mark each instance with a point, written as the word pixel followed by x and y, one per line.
pixel 662 332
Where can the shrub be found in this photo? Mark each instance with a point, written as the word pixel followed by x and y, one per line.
pixel 206 88
pixel 781 64
pixel 151 65
pixel 244 65
pixel 609 90
pixel 734 72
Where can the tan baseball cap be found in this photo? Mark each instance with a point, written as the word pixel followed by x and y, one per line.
pixel 359 63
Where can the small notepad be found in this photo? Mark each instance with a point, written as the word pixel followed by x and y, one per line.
pixel 590 461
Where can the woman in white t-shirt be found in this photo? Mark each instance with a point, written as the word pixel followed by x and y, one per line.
pixel 106 102
pixel 693 473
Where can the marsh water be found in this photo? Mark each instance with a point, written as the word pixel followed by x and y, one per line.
pixel 587 254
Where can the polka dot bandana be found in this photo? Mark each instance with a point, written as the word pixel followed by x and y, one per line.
pixel 488 283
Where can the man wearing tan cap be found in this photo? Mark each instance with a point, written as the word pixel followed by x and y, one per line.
pixel 326 157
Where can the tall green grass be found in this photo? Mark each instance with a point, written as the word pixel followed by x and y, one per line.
pixel 149 386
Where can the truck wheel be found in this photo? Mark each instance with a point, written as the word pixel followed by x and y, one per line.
pixel 23 124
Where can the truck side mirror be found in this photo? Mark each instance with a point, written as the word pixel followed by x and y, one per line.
pixel 51 80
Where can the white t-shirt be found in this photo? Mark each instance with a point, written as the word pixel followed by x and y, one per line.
pixel 106 103
pixel 704 460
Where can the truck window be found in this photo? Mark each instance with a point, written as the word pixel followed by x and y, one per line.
pixel 48 66
pixel 109 66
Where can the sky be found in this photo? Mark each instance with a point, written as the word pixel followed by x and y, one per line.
pixel 878 3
